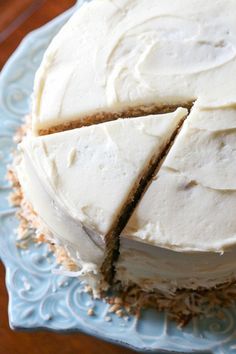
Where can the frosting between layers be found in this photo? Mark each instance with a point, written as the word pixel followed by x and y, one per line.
pixel 126 54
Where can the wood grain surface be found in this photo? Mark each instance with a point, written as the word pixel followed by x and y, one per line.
pixel 17 18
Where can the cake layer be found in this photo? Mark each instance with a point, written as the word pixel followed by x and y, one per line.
pixel 188 209
pixel 79 182
pixel 113 57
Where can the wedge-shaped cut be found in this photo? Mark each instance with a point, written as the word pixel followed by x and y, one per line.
pixel 183 232
pixel 84 182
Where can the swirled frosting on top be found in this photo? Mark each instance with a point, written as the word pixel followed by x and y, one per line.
pixel 117 54
pixel 190 205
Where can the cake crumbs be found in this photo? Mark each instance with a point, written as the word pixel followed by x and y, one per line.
pixel 87 289
pixel 118 300
pixel 114 308
pixel 91 312
pixel 107 318
pixel 126 318
pixel 119 313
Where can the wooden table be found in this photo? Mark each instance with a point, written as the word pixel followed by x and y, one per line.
pixel 17 18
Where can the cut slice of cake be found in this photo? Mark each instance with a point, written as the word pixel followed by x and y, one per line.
pixel 84 183
pixel 183 232
pixel 124 58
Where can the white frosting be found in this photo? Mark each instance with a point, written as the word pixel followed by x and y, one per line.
pixel 114 54
pixel 190 205
pixel 166 270
pixel 180 214
pixel 117 54
pixel 205 149
pixel 78 181
pixel 59 224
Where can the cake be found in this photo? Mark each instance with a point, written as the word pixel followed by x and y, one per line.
pixel 146 88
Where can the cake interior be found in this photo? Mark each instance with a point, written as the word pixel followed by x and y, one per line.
pixel 102 117
pixel 112 238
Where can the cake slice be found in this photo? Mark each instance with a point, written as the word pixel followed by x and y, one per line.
pixel 84 183
pixel 183 232
pixel 124 58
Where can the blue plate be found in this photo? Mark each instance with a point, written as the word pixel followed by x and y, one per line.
pixel 40 299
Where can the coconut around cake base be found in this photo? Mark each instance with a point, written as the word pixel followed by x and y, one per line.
pixel 180 306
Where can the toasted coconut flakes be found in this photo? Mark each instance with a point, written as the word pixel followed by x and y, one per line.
pixel 181 306
pixel 114 308
pixel 90 312
pixel 88 289
pixel 120 313
pixel 107 318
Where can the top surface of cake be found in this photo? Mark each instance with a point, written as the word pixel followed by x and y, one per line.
pixel 115 55
pixel 190 205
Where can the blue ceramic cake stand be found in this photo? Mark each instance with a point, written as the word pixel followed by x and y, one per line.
pixel 40 299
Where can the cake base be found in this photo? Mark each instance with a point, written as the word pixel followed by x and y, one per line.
pixel 180 306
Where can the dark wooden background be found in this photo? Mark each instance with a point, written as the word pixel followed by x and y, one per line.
pixel 17 18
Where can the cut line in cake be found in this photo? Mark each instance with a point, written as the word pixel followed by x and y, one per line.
pixel 136 194
pixel 102 117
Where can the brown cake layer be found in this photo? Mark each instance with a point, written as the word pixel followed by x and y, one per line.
pixel 102 117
